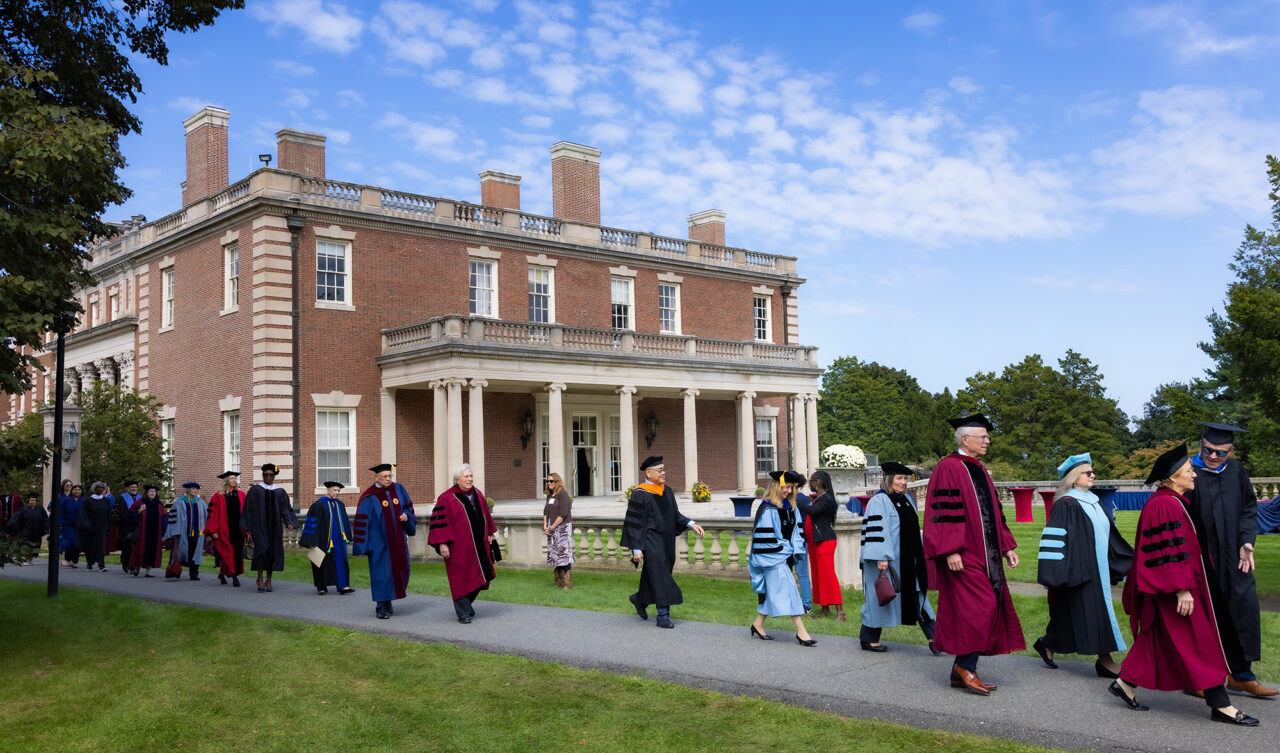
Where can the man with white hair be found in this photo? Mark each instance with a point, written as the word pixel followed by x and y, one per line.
pixel 384 518
pixel 965 534
pixel 463 533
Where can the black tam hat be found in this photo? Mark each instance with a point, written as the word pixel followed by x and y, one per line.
pixel 228 473
pixel 894 469
pixel 1168 464
pixel 380 467
pixel 1215 433
pixel 33 495
pixel 651 461
pixel 777 476
pixel 128 484
pixel 332 484
pixel 191 485
pixel 271 468
pixel 976 419
pixel 791 477
pixel 150 486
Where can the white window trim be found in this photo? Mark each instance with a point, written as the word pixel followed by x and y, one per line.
pixel 167 274
pixel 551 290
pixel 678 327
pixel 165 425
pixel 228 289
pixel 493 290
pixel 226 440
pixel 320 488
pixel 755 442
pixel 347 243
pixel 631 303
pixel 768 319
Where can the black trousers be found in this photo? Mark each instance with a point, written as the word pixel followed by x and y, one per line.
pixel 968 661
pixel 462 607
pixel 872 634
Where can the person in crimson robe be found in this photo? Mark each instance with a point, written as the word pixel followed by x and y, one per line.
pixel 965 535
pixel 1225 510
pixel 9 505
pixel 328 529
pixel 223 529
pixel 188 516
pixel 126 522
pixel 461 532
pixel 93 525
pixel 148 537
pixel 1175 635
pixel 649 530
pixel 384 521
pixel 267 512
pixel 891 544
pixel 1082 554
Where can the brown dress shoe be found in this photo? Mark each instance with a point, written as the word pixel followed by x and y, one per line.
pixel 1252 687
pixel 963 678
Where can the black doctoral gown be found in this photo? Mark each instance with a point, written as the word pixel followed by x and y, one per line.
pixel 94 523
pixel 653 521
pixel 1079 620
pixel 1225 511
pixel 266 512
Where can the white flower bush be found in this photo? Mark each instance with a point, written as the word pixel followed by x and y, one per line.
pixel 844 456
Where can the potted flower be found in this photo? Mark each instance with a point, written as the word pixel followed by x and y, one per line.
pixel 847 466
pixel 701 492
pixel 625 496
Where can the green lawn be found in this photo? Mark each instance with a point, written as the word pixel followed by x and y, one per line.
pixel 98 673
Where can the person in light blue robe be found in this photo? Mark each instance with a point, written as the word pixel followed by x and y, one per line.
pixel 771 577
pixel 187 518
pixel 891 543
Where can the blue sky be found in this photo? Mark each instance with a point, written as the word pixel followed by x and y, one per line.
pixel 964 183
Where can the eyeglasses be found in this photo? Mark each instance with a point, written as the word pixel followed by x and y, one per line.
pixel 1087 473
pixel 979 437
pixel 1209 452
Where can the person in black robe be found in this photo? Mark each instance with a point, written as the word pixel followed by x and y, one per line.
pixel 149 532
pixel 125 520
pixel 94 524
pixel 29 525
pixel 267 512
pixel 649 530
pixel 1225 511
pixel 328 528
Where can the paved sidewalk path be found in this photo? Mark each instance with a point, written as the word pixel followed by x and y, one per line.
pixel 1068 708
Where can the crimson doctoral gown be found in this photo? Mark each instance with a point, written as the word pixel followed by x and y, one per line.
pixel 975 610
pixel 1170 652
pixel 466 530
pixel 224 521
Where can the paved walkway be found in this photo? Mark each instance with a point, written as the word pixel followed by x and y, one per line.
pixel 1068 708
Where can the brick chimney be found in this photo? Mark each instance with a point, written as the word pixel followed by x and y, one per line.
pixel 206 154
pixel 707 227
pixel 300 152
pixel 500 190
pixel 575 183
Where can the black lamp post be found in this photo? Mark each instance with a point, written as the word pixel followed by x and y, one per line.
pixel 652 425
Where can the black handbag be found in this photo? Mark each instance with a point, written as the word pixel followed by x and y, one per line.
pixel 495 551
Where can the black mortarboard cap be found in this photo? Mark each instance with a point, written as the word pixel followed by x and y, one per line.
pixel 128 484
pixel 977 419
pixel 1216 433
pixel 380 467
pixel 651 461
pixel 228 473
pixel 894 469
pixel 777 476
pixel 791 477
pixel 331 484
pixel 191 485
pixel 1167 464
pixel 271 468
pixel 33 495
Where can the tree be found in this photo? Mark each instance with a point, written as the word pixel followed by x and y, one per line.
pixel 23 455
pixel 65 76
pixel 880 409
pixel 120 438
pixel 1172 413
pixel 1246 338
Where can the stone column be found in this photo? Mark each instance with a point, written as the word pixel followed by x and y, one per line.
pixel 453 443
pixel 799 435
pixel 746 443
pixel 811 423
pixel 71 414
pixel 555 429
pixel 627 429
pixel 387 418
pixel 125 361
pixel 475 430
pixel 690 439
pixel 106 370
pixel 440 437
pixel 72 380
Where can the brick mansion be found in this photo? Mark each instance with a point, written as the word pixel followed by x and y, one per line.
pixel 327 326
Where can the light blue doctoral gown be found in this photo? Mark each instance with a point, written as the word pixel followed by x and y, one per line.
pixel 187 519
pixel 768 565
pixel 888 528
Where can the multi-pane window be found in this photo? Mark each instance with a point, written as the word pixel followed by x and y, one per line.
pixel 231 440
pixel 231 278
pixel 669 308
pixel 169 433
pixel 761 309
pixel 482 288
pixel 332 271
pixel 544 431
pixel 335 446
pixel 96 316
pixel 113 306
pixel 620 302
pixel 167 296
pixel 540 307
pixel 766 446
pixel 615 453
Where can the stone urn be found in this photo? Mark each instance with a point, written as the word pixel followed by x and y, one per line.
pixel 846 480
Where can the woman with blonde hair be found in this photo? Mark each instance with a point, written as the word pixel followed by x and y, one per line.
pixel 1081 556
pixel 557 524
pixel 771 579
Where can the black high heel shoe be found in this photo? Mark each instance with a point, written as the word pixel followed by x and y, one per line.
pixel 1130 701
pixel 933 649
pixel 878 648
pixel 760 635
pixel 1102 671
pixel 1044 653
pixel 803 642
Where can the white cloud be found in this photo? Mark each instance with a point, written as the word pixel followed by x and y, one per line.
pixel 537 121
pixel 598 105
pixel 349 98
pixel 431 139
pixel 488 58
pixel 730 95
pixel 608 133
pixel 293 68
pixel 924 22
pixel 297 99
pixel 562 79
pixel 677 88
pixel 1189 37
pixel 189 105
pixel 964 85
pixel 338 136
pixel 326 24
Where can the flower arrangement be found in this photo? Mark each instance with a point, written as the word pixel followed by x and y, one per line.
pixel 625 496
pixel 701 492
pixel 844 456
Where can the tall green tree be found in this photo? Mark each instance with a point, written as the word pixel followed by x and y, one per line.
pixel 1172 412
pixel 120 438
pixel 23 455
pixel 1246 338
pixel 880 409
pixel 66 83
